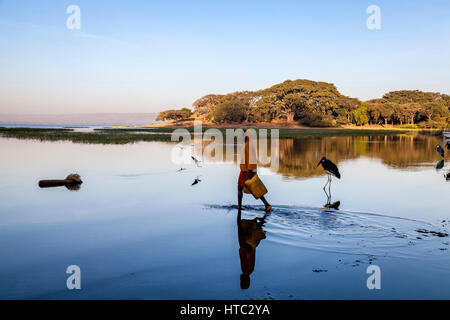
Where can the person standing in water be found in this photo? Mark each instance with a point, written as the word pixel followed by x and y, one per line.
pixel 248 168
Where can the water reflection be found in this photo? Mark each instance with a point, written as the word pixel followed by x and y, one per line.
pixel 250 234
pixel 331 205
pixel 298 157
pixel 440 165
pixel 440 150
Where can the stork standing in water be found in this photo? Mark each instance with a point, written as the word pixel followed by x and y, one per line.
pixel 440 150
pixel 331 169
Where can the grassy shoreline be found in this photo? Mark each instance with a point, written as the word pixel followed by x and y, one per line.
pixel 132 135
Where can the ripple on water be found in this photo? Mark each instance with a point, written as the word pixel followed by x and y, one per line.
pixel 348 232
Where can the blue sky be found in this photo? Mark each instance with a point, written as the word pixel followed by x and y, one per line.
pixel 146 56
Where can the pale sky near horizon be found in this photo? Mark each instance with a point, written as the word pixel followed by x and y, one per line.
pixel 146 56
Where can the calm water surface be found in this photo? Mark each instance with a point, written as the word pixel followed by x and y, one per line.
pixel 139 230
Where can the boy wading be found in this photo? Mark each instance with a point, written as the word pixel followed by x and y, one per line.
pixel 248 171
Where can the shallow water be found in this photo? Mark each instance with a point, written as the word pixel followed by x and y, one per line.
pixel 138 229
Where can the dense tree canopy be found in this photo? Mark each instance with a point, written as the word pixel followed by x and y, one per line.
pixel 320 104
pixel 230 111
pixel 429 109
pixel 361 115
pixel 176 115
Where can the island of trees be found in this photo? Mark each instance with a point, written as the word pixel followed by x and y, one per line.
pixel 318 104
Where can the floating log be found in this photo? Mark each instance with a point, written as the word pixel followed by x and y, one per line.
pixel 51 183
pixel 71 182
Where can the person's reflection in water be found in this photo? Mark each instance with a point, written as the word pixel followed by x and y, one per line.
pixel 250 233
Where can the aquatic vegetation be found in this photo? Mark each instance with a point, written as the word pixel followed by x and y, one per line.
pixel 132 135
pixel 100 137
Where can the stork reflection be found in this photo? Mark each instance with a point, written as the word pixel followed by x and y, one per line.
pixel 331 205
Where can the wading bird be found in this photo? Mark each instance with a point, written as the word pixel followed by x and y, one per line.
pixel 440 150
pixel 197 162
pixel 331 169
pixel 197 180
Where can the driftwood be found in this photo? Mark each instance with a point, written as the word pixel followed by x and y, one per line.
pixel 71 182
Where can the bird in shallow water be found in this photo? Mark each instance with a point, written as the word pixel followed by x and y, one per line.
pixel 330 168
pixel 440 150
pixel 197 162
pixel 197 180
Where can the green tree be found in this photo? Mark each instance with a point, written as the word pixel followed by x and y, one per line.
pixel 230 111
pixel 374 110
pixel 345 107
pixel 264 109
pixel 360 115
pixel 206 104
pixel 176 115
pixel 320 104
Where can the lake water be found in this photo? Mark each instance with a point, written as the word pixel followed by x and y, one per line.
pixel 138 229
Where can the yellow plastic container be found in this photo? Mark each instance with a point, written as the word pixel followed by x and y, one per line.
pixel 256 187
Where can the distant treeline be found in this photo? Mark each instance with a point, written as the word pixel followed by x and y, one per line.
pixel 318 104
